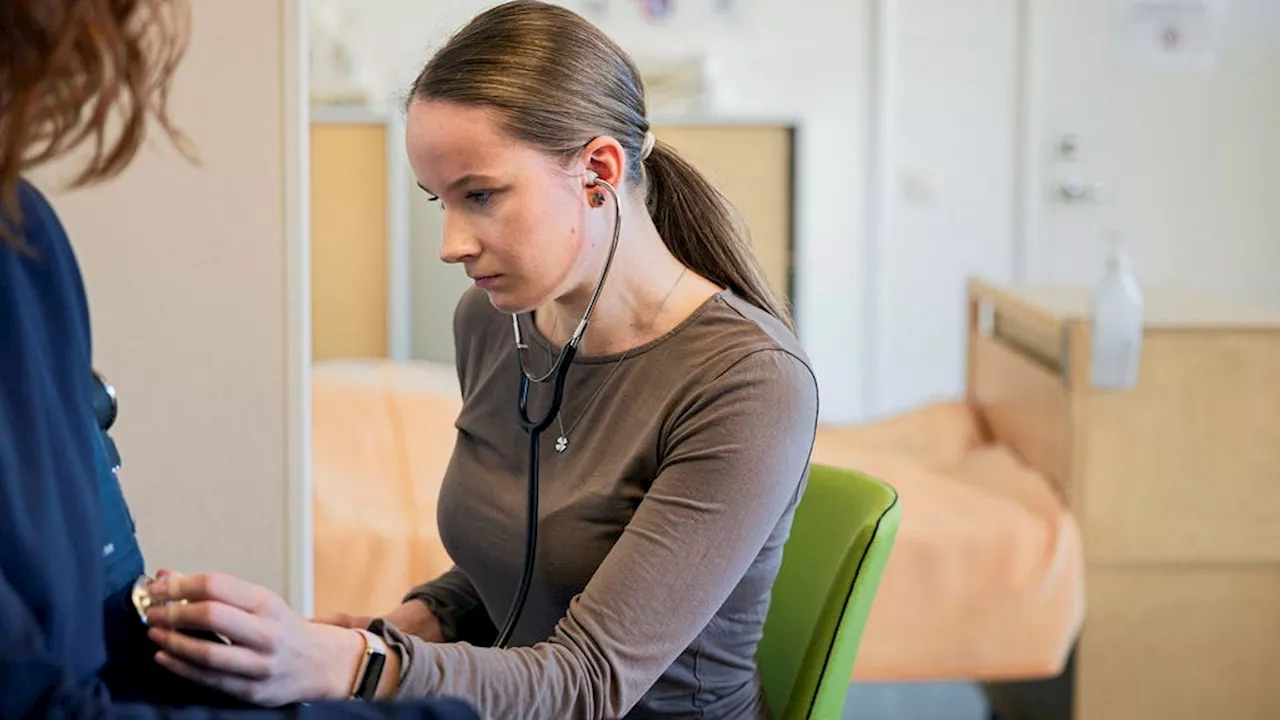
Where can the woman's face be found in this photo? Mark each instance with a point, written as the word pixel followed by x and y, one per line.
pixel 513 217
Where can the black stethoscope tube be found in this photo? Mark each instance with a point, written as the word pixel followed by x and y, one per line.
pixel 535 428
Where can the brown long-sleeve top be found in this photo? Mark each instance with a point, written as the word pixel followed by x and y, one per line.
pixel 661 525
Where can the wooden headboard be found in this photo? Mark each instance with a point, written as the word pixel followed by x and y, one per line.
pixel 1019 370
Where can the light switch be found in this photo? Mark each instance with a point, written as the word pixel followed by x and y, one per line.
pixel 917 188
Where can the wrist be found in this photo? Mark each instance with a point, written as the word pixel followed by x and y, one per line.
pixel 350 663
pixel 339 655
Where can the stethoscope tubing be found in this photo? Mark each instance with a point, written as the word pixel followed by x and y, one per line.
pixel 535 428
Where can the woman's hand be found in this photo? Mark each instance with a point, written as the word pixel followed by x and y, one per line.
pixel 346 620
pixel 413 617
pixel 275 656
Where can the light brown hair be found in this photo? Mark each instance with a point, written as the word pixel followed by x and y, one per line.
pixel 557 82
pixel 82 71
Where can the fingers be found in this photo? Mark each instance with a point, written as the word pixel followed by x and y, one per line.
pixel 344 620
pixel 218 587
pixel 238 626
pixel 238 687
pixel 211 658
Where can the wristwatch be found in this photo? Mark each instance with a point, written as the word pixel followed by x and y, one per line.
pixel 369 672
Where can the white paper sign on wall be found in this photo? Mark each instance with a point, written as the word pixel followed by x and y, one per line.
pixel 1174 35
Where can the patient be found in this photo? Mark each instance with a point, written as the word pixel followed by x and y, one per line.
pixel 669 481
pixel 87 75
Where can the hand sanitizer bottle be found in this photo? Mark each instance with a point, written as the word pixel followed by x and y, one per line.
pixel 1117 323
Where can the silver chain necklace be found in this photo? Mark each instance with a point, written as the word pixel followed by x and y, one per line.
pixel 562 442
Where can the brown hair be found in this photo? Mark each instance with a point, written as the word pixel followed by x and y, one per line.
pixel 77 71
pixel 557 82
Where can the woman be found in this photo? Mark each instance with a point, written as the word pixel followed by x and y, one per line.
pixel 90 75
pixel 670 477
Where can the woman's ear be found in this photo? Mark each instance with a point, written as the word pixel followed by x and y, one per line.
pixel 605 157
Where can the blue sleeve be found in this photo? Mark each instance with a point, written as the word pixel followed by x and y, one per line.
pixel 53 534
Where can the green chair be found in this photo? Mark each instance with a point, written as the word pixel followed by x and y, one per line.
pixel 843 532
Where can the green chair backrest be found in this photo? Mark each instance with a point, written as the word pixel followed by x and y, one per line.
pixel 840 540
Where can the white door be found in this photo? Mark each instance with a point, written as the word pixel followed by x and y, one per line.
pixel 1187 156
pixel 947 164
pixel 1014 136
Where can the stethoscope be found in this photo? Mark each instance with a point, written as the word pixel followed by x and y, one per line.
pixel 557 374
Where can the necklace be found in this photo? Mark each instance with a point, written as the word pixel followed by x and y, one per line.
pixel 562 442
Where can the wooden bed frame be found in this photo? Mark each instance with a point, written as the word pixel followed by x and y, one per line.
pixel 1175 485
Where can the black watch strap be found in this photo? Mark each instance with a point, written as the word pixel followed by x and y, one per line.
pixel 372 662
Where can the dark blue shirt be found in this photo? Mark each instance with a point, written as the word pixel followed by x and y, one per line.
pixel 67 547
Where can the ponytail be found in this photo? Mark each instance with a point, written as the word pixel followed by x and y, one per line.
pixel 701 228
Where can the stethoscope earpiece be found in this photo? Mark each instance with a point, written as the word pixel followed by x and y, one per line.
pixel 592 177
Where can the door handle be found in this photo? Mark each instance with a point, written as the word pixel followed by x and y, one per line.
pixel 1080 191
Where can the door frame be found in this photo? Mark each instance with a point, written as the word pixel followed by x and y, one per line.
pixel 296 137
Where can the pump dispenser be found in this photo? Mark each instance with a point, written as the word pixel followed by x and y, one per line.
pixel 1117 322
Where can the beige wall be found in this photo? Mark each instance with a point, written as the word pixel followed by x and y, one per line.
pixel 188 276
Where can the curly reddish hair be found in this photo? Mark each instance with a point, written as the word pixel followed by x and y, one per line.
pixel 77 72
